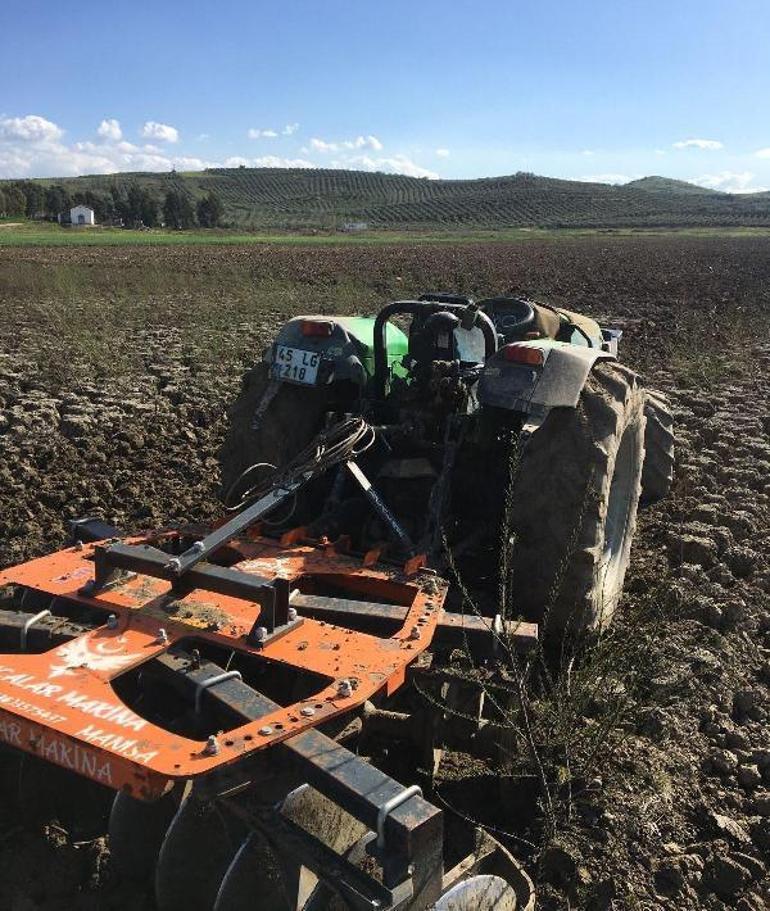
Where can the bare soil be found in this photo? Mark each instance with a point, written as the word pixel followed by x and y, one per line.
pixel 115 370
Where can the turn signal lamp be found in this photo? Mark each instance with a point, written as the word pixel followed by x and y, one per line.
pixel 524 354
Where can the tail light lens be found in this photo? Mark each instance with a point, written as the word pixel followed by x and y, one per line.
pixel 524 354
pixel 318 328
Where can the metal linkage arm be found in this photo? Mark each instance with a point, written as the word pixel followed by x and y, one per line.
pixel 380 507
pixel 238 524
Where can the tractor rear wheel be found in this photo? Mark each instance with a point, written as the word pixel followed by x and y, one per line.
pixel 658 471
pixel 575 498
pixel 270 422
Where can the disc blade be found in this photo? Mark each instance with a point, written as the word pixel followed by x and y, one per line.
pixel 196 852
pixel 136 831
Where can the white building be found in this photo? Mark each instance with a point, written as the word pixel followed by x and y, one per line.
pixel 82 215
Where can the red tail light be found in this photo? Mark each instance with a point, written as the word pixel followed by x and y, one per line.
pixel 320 328
pixel 524 354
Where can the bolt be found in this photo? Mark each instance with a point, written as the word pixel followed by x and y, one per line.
pixel 415 633
pixel 307 710
pixel 174 565
pixel 292 614
pixel 197 547
pixel 162 637
pixel 112 621
pixel 79 545
pixel 212 746
pixel 260 634
pixel 266 731
pixel 344 689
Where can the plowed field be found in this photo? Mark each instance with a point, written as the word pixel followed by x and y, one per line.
pixel 116 366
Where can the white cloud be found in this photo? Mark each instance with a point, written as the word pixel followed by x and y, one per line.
pixel 763 153
pixel 110 129
pixel 607 178
pixel 31 146
pixel 110 158
pixel 162 131
pixel 442 153
pixel 31 128
pixel 660 152
pixel 588 153
pixel 267 161
pixel 729 182
pixel 708 144
pixel 320 145
pixel 396 164
pixel 360 142
pixel 289 130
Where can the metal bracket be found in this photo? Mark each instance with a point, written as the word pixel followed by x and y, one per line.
pixel 213 681
pixel 31 622
pixel 387 808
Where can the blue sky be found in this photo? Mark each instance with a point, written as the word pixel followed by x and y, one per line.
pixel 591 90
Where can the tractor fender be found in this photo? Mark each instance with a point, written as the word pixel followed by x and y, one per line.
pixel 542 374
pixel 341 347
pixel 339 356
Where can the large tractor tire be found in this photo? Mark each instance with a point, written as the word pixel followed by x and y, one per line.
pixel 658 471
pixel 270 422
pixel 575 499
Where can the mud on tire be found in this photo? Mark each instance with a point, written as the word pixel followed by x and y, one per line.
pixel 658 471
pixel 575 499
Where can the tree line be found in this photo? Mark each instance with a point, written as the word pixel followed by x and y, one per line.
pixel 133 207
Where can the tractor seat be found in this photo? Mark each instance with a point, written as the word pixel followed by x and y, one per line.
pixel 517 318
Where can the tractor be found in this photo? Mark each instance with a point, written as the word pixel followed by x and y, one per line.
pixel 260 705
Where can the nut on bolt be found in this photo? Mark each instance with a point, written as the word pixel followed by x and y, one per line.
pixel 212 746
pixel 415 633
pixel 292 615
pixel 344 689
pixel 162 637
pixel 112 621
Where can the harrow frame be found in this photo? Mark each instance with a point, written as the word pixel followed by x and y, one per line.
pixel 60 703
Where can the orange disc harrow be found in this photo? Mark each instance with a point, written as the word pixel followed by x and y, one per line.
pixel 62 706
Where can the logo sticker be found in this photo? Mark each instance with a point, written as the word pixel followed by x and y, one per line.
pixel 105 657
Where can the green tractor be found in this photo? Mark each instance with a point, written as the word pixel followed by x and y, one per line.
pixel 512 449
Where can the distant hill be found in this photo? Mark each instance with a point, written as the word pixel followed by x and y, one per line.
pixel 669 185
pixel 293 199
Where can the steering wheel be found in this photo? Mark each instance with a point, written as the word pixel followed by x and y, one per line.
pixel 512 316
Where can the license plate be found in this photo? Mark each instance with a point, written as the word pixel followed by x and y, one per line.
pixel 295 365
